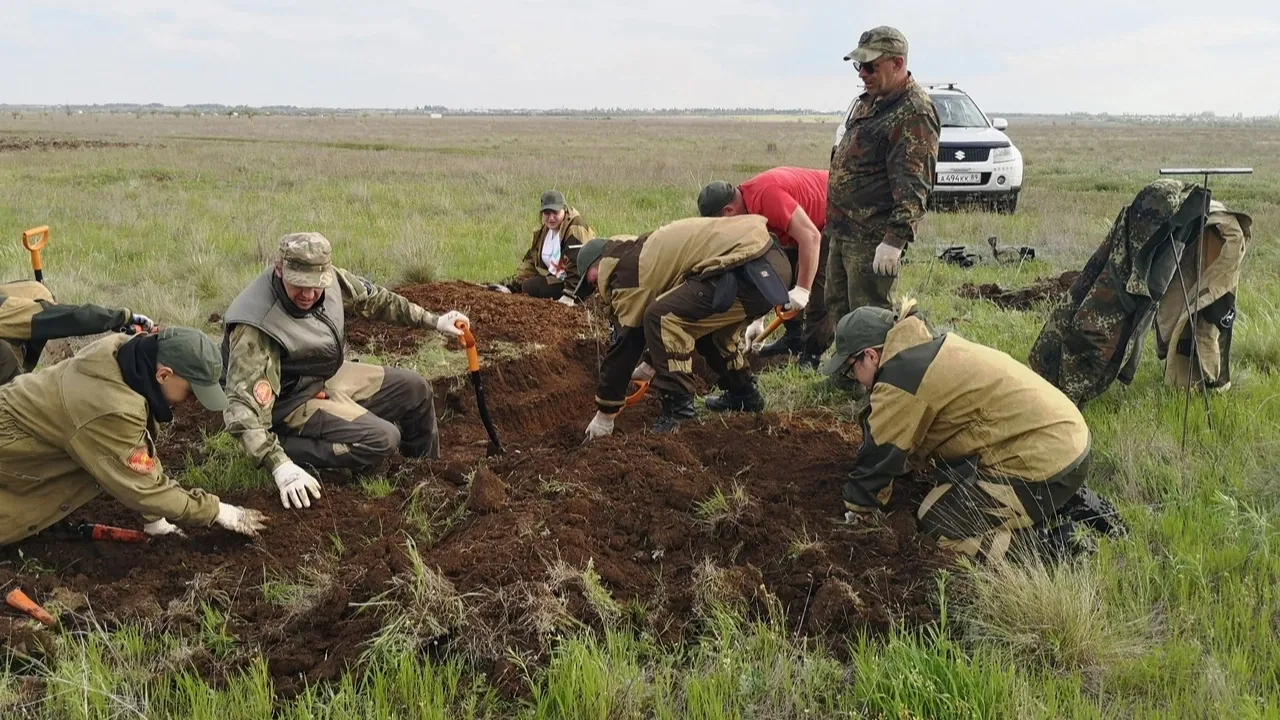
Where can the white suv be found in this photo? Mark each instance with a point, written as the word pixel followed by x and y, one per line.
pixel 976 160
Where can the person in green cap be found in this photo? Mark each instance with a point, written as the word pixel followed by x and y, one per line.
pixel 30 317
pixel 88 425
pixel 691 285
pixel 549 268
pixel 881 175
pixel 1009 450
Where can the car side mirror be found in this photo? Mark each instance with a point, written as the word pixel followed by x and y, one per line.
pixel 999 123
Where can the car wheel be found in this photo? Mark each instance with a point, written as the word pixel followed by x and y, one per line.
pixel 1008 204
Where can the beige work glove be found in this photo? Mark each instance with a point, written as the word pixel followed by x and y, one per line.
pixel 245 521
pixel 446 321
pixel 887 259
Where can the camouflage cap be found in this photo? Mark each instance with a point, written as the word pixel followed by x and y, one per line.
pixel 590 252
pixel 878 41
pixel 553 200
pixel 194 358
pixel 866 327
pixel 714 197
pixel 306 260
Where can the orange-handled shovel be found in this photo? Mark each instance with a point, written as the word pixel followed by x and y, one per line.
pixel 19 601
pixel 473 368
pixel 779 317
pixel 34 241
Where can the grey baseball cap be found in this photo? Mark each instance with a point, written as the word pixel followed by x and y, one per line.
pixel 866 327
pixel 193 356
pixel 307 260
pixel 714 197
pixel 553 200
pixel 878 41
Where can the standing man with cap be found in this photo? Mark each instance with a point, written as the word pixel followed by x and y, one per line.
pixel 549 268
pixel 881 175
pixel 89 424
pixel 1009 449
pixel 293 396
pixel 693 284
pixel 29 317
pixel 793 202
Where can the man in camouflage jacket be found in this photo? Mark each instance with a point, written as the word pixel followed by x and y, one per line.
pixel 881 175
pixel 293 397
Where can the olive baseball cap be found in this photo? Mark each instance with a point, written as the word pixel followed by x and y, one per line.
pixel 194 358
pixel 306 258
pixel 878 41
pixel 714 197
pixel 866 327
pixel 590 252
pixel 553 200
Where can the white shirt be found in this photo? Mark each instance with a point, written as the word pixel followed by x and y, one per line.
pixel 551 256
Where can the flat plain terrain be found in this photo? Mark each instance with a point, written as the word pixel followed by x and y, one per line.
pixel 171 216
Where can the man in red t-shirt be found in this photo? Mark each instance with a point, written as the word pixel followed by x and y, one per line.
pixel 794 203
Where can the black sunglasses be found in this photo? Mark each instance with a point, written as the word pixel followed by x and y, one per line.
pixel 869 66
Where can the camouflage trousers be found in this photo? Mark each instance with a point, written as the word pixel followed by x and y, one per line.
pixel 982 516
pixel 682 321
pixel 851 283
pixel 363 415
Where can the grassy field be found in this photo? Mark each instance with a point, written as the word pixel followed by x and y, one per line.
pixel 1178 620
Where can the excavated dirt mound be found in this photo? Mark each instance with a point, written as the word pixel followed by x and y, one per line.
pixel 14 143
pixel 634 529
pixel 1023 298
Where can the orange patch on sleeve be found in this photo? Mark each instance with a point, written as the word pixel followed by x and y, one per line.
pixel 262 392
pixel 141 462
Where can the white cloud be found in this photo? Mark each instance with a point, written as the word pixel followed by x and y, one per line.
pixel 1088 55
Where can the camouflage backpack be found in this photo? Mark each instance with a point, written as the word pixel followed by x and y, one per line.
pixel 1087 338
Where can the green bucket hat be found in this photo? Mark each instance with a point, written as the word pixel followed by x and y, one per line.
pixel 866 327
pixel 194 358
pixel 590 252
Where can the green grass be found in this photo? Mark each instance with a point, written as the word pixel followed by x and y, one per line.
pixel 1177 620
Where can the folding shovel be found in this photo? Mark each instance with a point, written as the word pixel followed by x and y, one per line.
pixel 101 533
pixel 34 241
pixel 473 367
pixel 780 316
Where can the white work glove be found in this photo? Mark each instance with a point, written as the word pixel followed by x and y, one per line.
pixel 754 330
pixel 600 426
pixel 162 527
pixel 245 521
pixel 797 299
pixel 143 321
pixel 297 486
pixel 886 260
pixel 644 372
pixel 446 321
pixel 566 300
pixel 498 287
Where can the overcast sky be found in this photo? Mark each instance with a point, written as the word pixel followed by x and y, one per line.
pixel 1090 55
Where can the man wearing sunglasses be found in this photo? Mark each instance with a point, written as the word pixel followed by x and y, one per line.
pixel 881 175
pixel 1009 450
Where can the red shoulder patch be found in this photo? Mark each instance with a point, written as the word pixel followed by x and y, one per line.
pixel 262 392
pixel 141 462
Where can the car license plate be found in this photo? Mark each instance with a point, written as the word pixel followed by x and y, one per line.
pixel 959 178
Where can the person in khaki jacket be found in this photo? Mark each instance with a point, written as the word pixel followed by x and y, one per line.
pixel 690 285
pixel 550 267
pixel 294 397
pixel 1009 449
pixel 29 317
pixel 88 425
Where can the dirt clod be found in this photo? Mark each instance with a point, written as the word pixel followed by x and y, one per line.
pixel 488 493
pixel 1023 298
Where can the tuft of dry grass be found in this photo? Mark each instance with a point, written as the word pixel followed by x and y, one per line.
pixel 722 508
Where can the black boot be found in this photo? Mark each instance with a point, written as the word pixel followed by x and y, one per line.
pixel 1063 542
pixel 789 344
pixel 810 360
pixel 675 408
pixel 747 399
pixel 1095 512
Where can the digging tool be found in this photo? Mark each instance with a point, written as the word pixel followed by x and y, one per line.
pixel 34 241
pixel 473 368
pixel 19 601
pixel 101 533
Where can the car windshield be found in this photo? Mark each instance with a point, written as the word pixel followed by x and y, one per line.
pixel 958 111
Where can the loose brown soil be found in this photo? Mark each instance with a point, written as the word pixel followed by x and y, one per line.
pixel 525 538
pixel 15 143
pixel 1023 298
